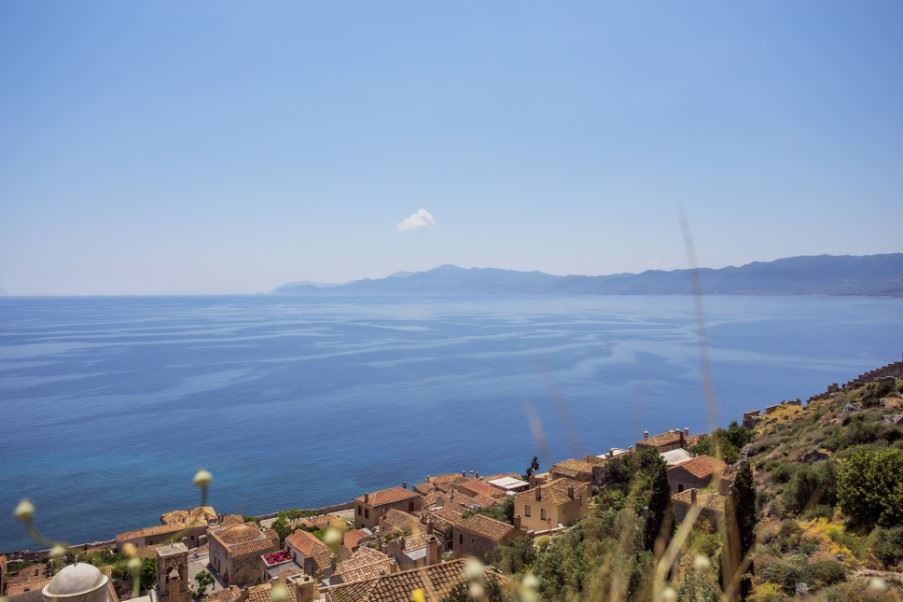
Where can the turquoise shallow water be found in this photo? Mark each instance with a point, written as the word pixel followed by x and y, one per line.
pixel 109 405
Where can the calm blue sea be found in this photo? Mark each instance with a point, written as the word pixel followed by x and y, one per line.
pixel 109 405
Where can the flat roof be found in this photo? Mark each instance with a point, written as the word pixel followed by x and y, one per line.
pixel 509 483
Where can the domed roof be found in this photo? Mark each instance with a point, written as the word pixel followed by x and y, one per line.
pixel 75 579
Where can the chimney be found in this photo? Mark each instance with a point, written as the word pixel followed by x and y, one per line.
pixel 539 493
pixel 532 481
pixel 611 453
pixel 464 473
pixel 401 543
pixel 686 431
pixel 693 496
pixel 645 434
pixel 404 484
pixel 477 475
pixel 571 491
pixel 432 550
pixel 366 498
pixel 306 589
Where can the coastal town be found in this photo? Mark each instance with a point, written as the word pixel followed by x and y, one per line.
pixel 393 544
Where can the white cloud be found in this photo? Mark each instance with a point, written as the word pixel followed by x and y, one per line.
pixel 419 219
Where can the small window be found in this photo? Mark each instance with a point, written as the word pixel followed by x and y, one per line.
pixel 527 510
pixel 542 514
pixel 410 506
pixel 366 513
pixel 460 539
pixel 358 510
pixel 680 488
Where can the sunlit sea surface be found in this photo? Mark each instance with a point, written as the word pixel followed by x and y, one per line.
pixel 109 405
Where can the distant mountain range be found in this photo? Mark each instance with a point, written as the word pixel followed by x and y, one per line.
pixel 808 275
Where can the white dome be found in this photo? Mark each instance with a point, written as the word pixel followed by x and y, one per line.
pixel 78 578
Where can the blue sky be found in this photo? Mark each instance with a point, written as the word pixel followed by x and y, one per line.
pixel 211 147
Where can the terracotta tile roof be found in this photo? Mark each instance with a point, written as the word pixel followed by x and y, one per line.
pixel 662 439
pixel 572 468
pixel 230 594
pixel 709 500
pixel 444 481
pixel 198 514
pixel 416 541
pixel 399 520
pixel 387 496
pixel 320 521
pixel 29 584
pixel 474 487
pixel 477 501
pixel 261 593
pixel 354 537
pixel 252 547
pixel 365 563
pixel 436 581
pixel 557 491
pixel 233 536
pixel 486 527
pixel 701 467
pixel 149 532
pixel 445 517
pixel 306 543
pixel 423 488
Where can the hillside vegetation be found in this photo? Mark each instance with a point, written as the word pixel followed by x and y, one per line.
pixel 815 512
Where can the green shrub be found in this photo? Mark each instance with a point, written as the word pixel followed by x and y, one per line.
pixel 870 487
pixel 827 572
pixel 887 545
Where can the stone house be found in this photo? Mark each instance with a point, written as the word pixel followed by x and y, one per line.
pixel 371 507
pixel 311 554
pixel 477 535
pixel 711 502
pixel 412 551
pixel 696 473
pixel 438 579
pixel 235 550
pixel 663 442
pixel 557 503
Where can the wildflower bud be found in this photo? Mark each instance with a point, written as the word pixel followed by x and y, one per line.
pixel 473 569
pixel 669 595
pixel 701 563
pixel 530 581
pixel 134 565
pixel 24 511
pixel 57 552
pixel 877 584
pixel 202 479
pixel 279 593
pixel 129 550
pixel 332 537
pixel 418 596
pixel 476 591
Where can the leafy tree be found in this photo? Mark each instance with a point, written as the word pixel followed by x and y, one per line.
pixel 870 487
pixel 659 503
pixel 514 556
pixel 743 493
pixel 533 468
pixel 282 528
pixel 203 579
pixel 728 442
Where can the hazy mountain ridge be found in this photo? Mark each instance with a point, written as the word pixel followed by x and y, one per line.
pixel 804 275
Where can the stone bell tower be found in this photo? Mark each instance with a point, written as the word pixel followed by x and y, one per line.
pixel 172 573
